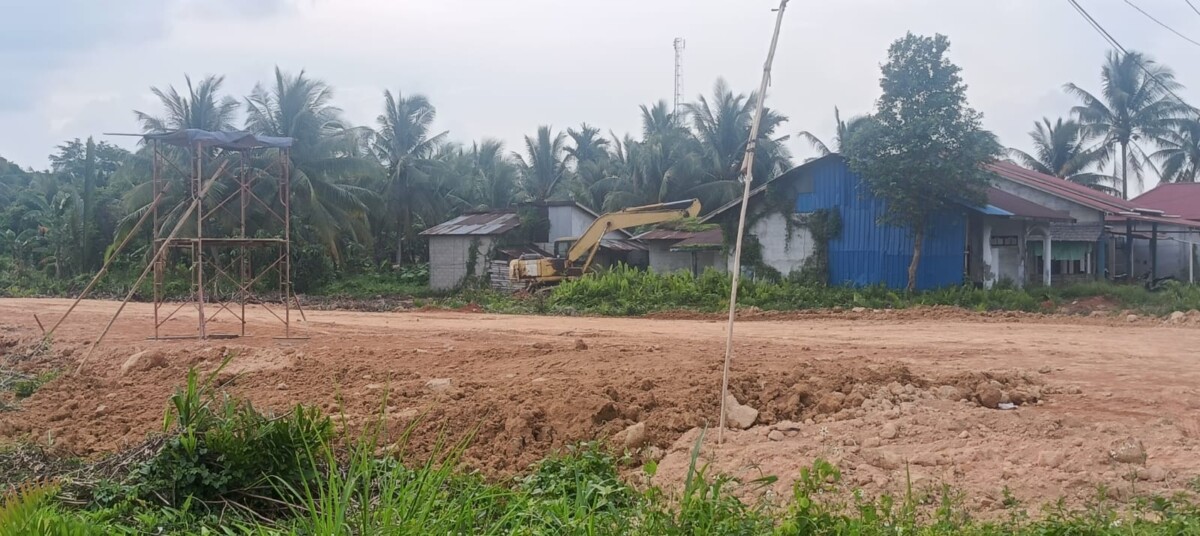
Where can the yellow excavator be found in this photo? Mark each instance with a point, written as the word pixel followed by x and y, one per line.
pixel 536 271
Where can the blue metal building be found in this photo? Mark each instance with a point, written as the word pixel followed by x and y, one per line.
pixel 867 253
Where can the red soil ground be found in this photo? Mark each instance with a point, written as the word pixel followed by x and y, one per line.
pixel 890 397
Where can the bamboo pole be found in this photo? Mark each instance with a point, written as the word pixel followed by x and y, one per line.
pixel 158 253
pixel 104 269
pixel 747 178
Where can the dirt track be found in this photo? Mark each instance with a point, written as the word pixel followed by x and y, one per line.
pixel 527 385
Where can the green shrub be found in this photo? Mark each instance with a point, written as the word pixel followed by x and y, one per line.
pixel 220 448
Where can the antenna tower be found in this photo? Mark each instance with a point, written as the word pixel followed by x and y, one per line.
pixel 679 46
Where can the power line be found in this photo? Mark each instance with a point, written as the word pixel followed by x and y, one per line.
pixel 1113 41
pixel 1163 24
pixel 1193 6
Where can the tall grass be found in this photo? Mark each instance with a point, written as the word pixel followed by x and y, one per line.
pixel 627 291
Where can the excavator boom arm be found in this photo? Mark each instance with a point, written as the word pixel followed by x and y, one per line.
pixel 630 217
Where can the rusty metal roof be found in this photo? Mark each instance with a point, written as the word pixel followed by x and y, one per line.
pixel 665 234
pixel 516 251
pixel 712 238
pixel 621 245
pixel 478 224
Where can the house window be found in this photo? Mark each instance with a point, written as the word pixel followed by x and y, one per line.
pixel 1060 267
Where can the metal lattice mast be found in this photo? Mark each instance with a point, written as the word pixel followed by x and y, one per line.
pixel 680 44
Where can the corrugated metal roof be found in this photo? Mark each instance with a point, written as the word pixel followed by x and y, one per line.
pixel 516 251
pixel 1060 187
pixel 712 238
pixel 480 224
pixel 761 189
pixel 1023 208
pixel 1121 218
pixel 665 234
pixel 1180 198
pixel 622 245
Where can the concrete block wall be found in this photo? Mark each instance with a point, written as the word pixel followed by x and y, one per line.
pixel 448 256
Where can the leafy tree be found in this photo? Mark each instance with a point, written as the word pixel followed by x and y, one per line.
pixel 404 144
pixel 543 166
pixel 1179 156
pixel 923 150
pixel 1061 149
pixel 1134 106
pixel 88 166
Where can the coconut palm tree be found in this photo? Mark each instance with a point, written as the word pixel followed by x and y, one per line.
pixel 1179 156
pixel 844 130
pixel 543 166
pixel 405 145
pixel 495 176
pixel 1135 108
pixel 587 145
pixel 722 129
pixel 588 154
pixel 202 107
pixel 323 196
pixel 665 165
pixel 1061 149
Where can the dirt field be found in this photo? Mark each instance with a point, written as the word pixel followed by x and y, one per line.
pixel 881 394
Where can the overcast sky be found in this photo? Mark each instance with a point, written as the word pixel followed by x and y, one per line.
pixel 74 68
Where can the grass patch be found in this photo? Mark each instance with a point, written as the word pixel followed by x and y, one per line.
pixel 407 281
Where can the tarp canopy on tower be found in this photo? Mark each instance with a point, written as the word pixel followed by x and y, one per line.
pixel 228 140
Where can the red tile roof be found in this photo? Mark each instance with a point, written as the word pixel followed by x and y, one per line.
pixel 1177 199
pixel 1024 208
pixel 1061 188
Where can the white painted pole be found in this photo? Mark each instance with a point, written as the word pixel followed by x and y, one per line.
pixel 747 178
pixel 1047 264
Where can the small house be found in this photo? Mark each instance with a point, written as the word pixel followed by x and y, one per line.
pixel 1107 237
pixel 480 244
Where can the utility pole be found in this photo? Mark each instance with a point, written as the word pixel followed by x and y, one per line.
pixel 680 44
pixel 747 178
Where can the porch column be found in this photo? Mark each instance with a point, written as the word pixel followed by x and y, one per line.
pixel 989 275
pixel 1153 251
pixel 1129 248
pixel 1046 277
pixel 1021 254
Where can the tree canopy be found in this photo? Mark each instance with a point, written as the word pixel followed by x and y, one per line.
pixel 923 150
